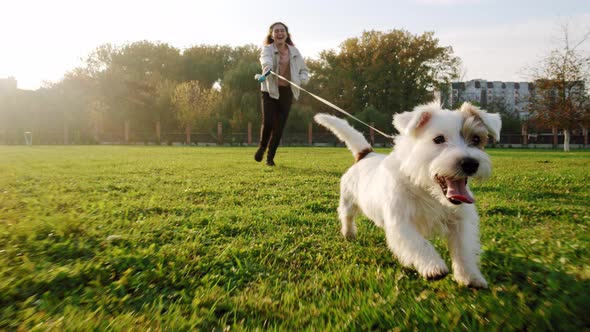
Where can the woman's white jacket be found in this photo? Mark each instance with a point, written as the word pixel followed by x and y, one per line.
pixel 269 58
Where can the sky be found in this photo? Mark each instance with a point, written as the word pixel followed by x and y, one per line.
pixel 41 40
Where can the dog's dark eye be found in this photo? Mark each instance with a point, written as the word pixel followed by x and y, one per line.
pixel 439 139
pixel 476 140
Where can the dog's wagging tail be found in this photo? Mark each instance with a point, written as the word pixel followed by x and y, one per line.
pixel 353 139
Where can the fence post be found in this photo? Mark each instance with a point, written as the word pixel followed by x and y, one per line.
pixel 28 138
pixel 96 134
pixel 187 132
pixel 310 134
pixel 126 131
pixel 98 128
pixel 219 134
pixel 249 133
pixel 372 134
pixel 66 134
pixel 158 132
pixel 525 134
pixel 555 140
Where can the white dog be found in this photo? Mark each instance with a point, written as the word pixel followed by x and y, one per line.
pixel 421 189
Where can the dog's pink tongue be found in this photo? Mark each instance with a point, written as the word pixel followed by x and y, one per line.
pixel 457 190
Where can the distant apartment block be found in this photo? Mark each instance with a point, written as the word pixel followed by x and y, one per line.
pixel 7 85
pixel 493 95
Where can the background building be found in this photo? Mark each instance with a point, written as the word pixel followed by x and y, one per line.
pixel 508 97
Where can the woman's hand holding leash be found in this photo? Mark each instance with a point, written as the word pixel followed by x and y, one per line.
pixel 262 77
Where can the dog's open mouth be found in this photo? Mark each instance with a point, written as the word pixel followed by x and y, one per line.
pixel 455 190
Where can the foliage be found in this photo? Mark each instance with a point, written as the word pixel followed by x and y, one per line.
pixel 164 105
pixel 559 104
pixel 389 71
pixel 560 96
pixel 511 122
pixel 21 109
pixel 300 117
pixel 240 102
pixel 130 82
pixel 160 238
pixel 206 63
pixel 193 103
pixel 372 115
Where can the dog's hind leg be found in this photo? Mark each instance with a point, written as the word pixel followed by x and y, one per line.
pixel 347 210
pixel 413 250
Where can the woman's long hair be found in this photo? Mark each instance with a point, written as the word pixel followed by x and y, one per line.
pixel 268 40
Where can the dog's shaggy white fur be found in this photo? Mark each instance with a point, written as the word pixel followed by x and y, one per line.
pixel 421 189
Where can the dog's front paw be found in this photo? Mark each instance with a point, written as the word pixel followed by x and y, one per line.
pixel 349 232
pixel 434 271
pixel 476 281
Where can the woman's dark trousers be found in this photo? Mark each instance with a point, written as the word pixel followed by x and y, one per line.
pixel 274 117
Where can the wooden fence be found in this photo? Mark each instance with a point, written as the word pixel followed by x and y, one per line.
pixel 312 135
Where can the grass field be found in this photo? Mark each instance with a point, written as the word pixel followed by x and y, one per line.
pixel 176 238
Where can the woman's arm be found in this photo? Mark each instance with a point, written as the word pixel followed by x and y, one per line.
pixel 266 58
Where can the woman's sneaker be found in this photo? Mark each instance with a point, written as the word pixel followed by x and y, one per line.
pixel 259 154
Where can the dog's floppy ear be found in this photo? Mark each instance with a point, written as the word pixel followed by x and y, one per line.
pixel 408 122
pixel 492 121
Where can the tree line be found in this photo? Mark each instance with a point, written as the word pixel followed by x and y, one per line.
pixel 373 76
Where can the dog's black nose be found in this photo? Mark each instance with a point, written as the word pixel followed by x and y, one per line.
pixel 469 165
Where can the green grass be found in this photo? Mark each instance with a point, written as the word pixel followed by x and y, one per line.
pixel 174 238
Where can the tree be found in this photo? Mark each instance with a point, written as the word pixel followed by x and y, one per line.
pixel 19 112
pixel 205 63
pixel 164 106
pixel 71 106
pixel 388 71
pixel 192 102
pixel 560 96
pixel 241 95
pixel 511 122
pixel 130 78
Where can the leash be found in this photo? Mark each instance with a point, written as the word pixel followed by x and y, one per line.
pixel 329 104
